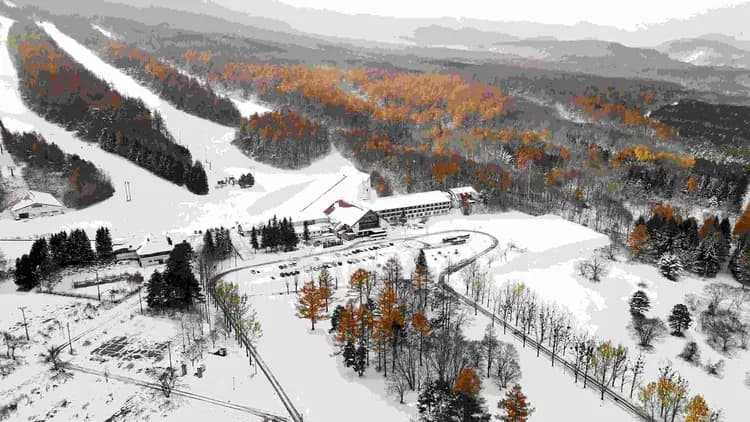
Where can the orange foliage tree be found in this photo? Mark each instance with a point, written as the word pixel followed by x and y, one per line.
pixel 638 239
pixel 515 406
pixel 467 382
pixel 311 304
pixel 742 225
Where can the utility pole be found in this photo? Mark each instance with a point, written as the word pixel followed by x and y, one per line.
pixel 169 345
pixel 25 325
pixel 139 299
pixel 70 343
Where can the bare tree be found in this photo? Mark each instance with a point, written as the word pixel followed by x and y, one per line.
pixel 593 268
pixel 636 368
pixel 398 385
pixel 508 369
pixel 167 381
pixel 11 344
pixel 541 326
pixel 648 330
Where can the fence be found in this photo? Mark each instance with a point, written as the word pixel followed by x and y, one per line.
pixel 255 355
pixel 569 367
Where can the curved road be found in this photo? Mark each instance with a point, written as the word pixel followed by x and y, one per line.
pixel 286 401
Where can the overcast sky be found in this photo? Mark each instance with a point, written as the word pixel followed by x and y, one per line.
pixel 625 14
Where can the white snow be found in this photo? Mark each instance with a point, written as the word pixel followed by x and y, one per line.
pixel 158 205
pixel 10 4
pixel 249 107
pixel 103 31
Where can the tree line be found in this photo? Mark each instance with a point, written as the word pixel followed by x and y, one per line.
pixel 676 243
pixel 275 235
pixel 184 92
pixel 283 138
pixel 217 244
pixel 63 91
pixel 60 250
pixel 87 184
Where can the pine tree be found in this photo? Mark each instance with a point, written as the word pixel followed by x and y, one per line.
pixel 103 244
pixel 515 406
pixel 197 182
pixel 209 248
pixel 335 318
pixel 305 232
pixel 360 359
pixel 58 244
pixel 254 238
pixel 157 295
pixel 706 261
pixel 182 285
pixel 679 319
pixel 24 275
pixel 670 266
pixel 639 303
pixel 349 354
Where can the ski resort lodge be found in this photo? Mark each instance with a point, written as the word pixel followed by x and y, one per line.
pixel 36 204
pixel 411 206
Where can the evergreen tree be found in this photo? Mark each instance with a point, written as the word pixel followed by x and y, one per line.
pixel 670 266
pixel 254 238
pixel 639 303
pixel 103 244
pixel 79 247
pixel 335 318
pixel 515 406
pixel 209 249
pixel 679 319
pixel 706 261
pixel 305 232
pixel 739 264
pixel 349 354
pixel 360 359
pixel 58 245
pixel 422 262
pixel 197 182
pixel 246 180
pixel 182 285
pixel 23 275
pixel 157 294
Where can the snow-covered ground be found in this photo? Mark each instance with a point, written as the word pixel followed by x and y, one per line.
pixel 157 205
pixel 547 250
pixel 38 394
pixel 103 31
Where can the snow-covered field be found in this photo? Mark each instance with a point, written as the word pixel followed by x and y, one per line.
pixel 545 255
pixel 39 394
pixel 157 205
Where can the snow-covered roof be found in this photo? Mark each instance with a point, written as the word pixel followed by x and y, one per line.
pixel 463 190
pixel 345 213
pixel 33 197
pixel 413 199
pixel 154 245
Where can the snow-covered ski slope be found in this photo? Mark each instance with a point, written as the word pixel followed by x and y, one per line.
pixel 158 205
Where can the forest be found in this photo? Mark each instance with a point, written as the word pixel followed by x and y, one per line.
pixel 62 91
pixel 182 91
pixel 283 138
pixel 86 184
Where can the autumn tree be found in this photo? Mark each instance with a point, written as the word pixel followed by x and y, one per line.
pixel 639 239
pixel 515 407
pixel 467 382
pixel 311 304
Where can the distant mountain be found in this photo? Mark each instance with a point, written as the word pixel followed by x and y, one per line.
pixel 278 16
pixel 706 52
pixel 469 38
pixel 734 42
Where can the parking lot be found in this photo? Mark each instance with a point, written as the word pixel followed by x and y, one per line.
pixel 289 276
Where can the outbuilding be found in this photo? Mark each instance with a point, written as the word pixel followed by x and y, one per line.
pixel 36 204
